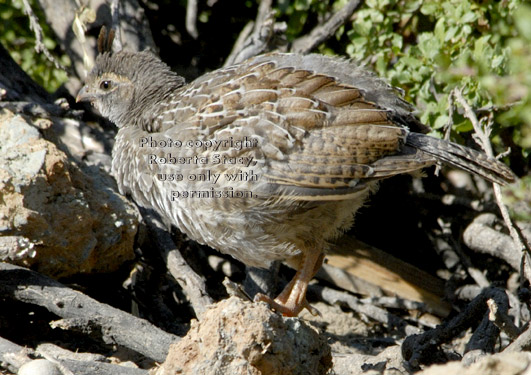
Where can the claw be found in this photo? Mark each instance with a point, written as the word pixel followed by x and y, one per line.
pixel 292 300
pixel 284 308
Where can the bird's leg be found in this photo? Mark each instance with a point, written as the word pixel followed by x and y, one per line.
pixel 292 300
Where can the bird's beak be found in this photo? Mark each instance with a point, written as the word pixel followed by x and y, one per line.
pixel 84 95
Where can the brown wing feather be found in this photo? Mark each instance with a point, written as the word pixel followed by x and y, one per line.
pixel 321 135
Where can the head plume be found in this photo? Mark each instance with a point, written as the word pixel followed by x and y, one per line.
pixel 105 40
pixel 127 87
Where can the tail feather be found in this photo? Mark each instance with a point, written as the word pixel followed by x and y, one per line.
pixel 462 157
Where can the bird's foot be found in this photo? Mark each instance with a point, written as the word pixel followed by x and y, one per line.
pixel 287 308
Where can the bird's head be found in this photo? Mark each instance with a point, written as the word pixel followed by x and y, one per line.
pixel 123 84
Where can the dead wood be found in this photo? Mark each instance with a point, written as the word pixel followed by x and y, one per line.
pixel 522 342
pixel 81 312
pixel 482 237
pixel 258 280
pixel 13 356
pixel 482 133
pixel 420 349
pixel 369 271
pixel 193 285
pixel 369 311
pixel 16 85
pixel 322 32
pixel 482 341
pixel 257 36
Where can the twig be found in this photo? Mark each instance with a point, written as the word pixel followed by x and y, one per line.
pixel 264 12
pixel 255 36
pixel 395 303
pixel 522 342
pixel 346 281
pixel 322 32
pixel 115 12
pixel 495 108
pixel 500 317
pixel 193 285
pixel 504 154
pixel 332 297
pixel 82 312
pixel 482 341
pixel 449 125
pixel 39 45
pixel 14 355
pixel 191 18
pixel 417 348
pixel 235 290
pixel 514 231
pixel 481 237
pixel 475 273
pixel 41 110
pixel 238 45
pixel 260 280
pixel 468 292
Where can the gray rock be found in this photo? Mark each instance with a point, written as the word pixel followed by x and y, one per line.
pixel 58 215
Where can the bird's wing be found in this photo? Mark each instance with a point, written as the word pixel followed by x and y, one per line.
pixel 317 136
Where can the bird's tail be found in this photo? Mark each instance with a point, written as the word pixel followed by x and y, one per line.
pixel 462 157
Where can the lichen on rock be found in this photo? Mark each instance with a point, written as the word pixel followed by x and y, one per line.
pixel 58 216
pixel 238 337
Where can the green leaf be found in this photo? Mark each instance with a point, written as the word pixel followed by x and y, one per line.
pixel 440 122
pixel 463 127
pixel 302 4
pixel 429 8
pixel 469 17
pixel 522 19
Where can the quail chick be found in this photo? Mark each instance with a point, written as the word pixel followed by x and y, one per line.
pixel 265 160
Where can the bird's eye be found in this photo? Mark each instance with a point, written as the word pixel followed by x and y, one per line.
pixel 105 85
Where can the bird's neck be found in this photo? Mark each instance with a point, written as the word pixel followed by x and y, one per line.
pixel 147 101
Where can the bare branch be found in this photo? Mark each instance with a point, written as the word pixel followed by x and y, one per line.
pixel 264 12
pixel 482 237
pixel 332 297
pixel 498 315
pixel 39 44
pixel 522 342
pixel 191 18
pixel 321 33
pixel 514 231
pixel 83 312
pixel 193 285
pixel 417 347
pixel 449 125
pixel 496 108
pixel 115 12
pixel 256 36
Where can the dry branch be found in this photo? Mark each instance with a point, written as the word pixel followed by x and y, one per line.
pixel 482 341
pixel 255 36
pixel 39 43
pixel 500 317
pixel 16 85
pixel 12 356
pixel 191 18
pixel 115 13
pixel 481 237
pixel 83 312
pixel 322 32
pixel 418 349
pixel 522 342
pixel 333 297
pixel 193 285
pixel 483 136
